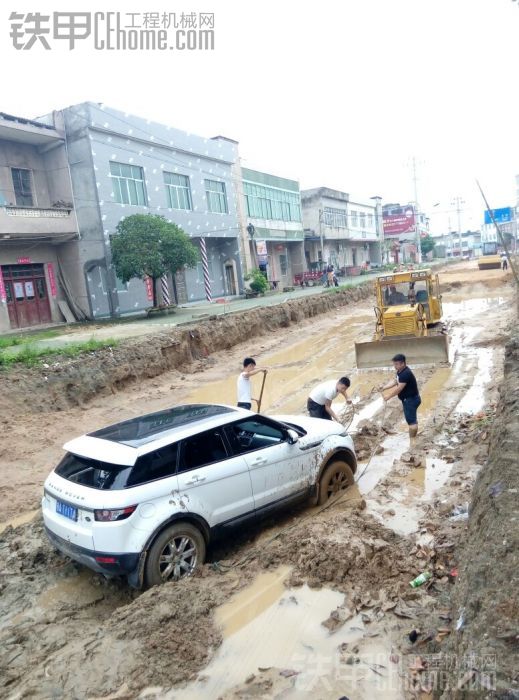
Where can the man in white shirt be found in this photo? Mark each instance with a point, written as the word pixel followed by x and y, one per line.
pixel 319 402
pixel 243 383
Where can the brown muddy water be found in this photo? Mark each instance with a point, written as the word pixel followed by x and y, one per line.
pixel 288 635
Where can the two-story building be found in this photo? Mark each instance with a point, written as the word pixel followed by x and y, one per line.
pixel 272 228
pixel 121 165
pixel 39 263
pixel 339 230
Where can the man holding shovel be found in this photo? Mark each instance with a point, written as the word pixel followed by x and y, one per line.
pixel 244 386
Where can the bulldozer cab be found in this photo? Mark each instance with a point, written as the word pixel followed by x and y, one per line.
pixel 409 289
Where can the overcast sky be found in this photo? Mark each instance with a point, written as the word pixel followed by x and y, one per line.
pixel 337 94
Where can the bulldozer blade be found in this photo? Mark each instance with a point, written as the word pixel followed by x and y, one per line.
pixel 425 350
pixel 489 265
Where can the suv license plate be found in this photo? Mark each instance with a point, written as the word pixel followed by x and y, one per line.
pixel 68 511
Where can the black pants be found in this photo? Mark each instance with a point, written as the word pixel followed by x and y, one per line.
pixel 244 405
pixel 317 411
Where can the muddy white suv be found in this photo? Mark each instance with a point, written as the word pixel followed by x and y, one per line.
pixel 143 498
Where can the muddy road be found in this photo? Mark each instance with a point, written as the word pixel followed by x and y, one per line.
pixel 250 625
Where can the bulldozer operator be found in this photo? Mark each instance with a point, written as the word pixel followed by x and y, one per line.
pixel 395 297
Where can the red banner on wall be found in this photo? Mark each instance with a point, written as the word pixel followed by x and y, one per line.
pixel 149 287
pixel 52 279
pixel 397 224
pixel 3 294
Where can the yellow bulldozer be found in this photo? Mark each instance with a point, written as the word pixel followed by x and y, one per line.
pixel 408 321
pixel 490 258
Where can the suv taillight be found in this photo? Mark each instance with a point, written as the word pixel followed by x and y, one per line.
pixel 110 516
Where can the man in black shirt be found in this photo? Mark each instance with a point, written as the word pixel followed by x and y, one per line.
pixel 406 388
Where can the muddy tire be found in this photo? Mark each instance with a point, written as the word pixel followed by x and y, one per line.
pixel 176 553
pixel 336 477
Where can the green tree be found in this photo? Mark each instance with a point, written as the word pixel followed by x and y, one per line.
pixel 258 281
pixel 147 245
pixel 427 244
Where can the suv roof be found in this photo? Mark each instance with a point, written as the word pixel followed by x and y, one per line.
pixel 143 429
pixel 123 442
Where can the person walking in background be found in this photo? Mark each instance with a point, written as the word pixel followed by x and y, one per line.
pixel 406 388
pixel 504 261
pixel 319 403
pixel 243 382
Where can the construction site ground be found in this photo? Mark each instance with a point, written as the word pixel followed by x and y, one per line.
pixel 315 603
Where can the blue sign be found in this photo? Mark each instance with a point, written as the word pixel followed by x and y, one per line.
pixel 502 216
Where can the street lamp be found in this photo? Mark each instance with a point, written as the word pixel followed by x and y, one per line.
pixel 251 231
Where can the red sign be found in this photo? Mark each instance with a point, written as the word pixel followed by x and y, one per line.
pixel 149 287
pixel 52 279
pixel 397 224
pixel 24 261
pixel 3 295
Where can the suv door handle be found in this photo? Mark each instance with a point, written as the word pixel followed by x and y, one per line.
pixel 258 461
pixel 196 480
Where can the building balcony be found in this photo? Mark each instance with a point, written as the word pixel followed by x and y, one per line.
pixel 28 223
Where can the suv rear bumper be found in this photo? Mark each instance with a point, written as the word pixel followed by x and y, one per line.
pixel 123 564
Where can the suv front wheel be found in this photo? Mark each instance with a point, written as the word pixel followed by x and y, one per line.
pixel 176 553
pixel 336 477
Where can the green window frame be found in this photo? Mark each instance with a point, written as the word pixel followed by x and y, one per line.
pixel 178 189
pixel 216 196
pixel 128 184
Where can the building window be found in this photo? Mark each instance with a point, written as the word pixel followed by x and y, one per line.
pixel 128 184
pixel 271 203
pixel 179 191
pixel 22 187
pixel 337 218
pixel 362 220
pixel 283 264
pixel 354 219
pixel 216 196
pixel 370 220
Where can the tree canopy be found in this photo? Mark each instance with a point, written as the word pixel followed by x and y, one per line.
pixel 427 244
pixel 147 245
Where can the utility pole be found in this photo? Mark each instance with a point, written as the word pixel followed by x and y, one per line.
pixel 416 224
pixel 458 202
pixel 379 225
pixel 321 214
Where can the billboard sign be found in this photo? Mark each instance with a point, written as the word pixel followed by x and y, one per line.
pixel 398 224
pixel 502 216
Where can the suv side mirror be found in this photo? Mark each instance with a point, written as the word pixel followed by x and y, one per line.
pixel 293 437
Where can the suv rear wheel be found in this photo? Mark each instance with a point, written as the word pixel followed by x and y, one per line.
pixel 336 477
pixel 176 553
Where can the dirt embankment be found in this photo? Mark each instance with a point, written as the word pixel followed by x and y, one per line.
pixel 486 597
pixel 63 383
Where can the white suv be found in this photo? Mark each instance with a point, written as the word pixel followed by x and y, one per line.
pixel 143 498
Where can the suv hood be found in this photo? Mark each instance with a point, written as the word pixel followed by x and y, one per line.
pixel 316 428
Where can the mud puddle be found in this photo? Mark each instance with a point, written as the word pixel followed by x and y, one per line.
pixel 21 519
pixel 294 371
pixel 288 637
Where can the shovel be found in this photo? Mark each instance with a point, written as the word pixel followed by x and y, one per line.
pixel 258 401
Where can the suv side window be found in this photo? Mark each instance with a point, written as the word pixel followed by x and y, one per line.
pixel 199 450
pixel 253 434
pixel 158 464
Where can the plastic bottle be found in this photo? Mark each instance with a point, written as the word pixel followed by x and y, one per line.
pixel 422 578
